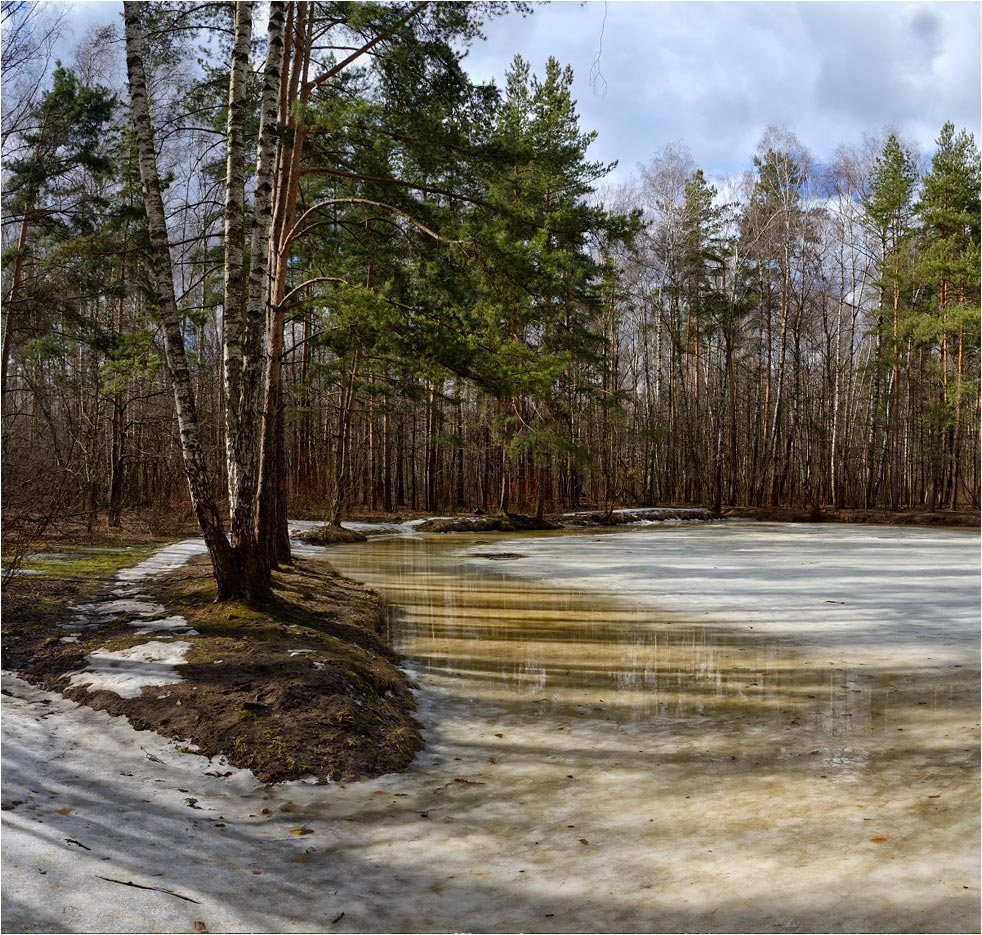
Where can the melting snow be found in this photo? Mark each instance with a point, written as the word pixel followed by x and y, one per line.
pixel 128 671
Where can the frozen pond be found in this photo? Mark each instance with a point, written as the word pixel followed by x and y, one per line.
pixel 728 727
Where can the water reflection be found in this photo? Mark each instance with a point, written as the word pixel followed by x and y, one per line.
pixel 512 648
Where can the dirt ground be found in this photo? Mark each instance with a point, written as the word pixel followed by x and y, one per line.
pixel 306 685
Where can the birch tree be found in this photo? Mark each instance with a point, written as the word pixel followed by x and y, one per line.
pixel 199 477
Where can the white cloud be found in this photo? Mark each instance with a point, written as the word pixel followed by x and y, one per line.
pixel 716 75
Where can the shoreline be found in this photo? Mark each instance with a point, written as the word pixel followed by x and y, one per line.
pixel 305 686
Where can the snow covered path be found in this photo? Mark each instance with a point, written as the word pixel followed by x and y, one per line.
pixel 648 764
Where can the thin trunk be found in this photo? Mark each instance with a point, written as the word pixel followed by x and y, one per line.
pixel 233 295
pixel 295 51
pixel 346 402
pixel 199 481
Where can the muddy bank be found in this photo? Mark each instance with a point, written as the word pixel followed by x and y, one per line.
pixel 913 517
pixel 330 535
pixel 306 685
pixel 498 522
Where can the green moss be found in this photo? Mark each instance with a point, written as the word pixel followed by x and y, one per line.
pixel 34 605
pixel 85 562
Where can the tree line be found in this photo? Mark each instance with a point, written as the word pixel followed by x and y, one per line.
pixel 302 262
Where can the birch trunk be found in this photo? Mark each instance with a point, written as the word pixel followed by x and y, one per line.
pixel 234 295
pixel 205 509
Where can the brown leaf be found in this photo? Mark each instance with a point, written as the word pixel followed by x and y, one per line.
pixel 301 831
pixel 934 796
pixel 300 860
pixel 499 735
pixel 68 811
pixel 200 926
pixel 878 840
pixel 584 841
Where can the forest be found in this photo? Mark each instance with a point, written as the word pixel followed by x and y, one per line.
pixel 301 264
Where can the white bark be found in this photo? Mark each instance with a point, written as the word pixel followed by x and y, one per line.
pixel 234 295
pixel 162 273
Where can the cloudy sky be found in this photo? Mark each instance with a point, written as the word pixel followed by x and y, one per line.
pixel 714 75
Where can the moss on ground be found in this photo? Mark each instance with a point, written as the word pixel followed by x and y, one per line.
pixel 35 604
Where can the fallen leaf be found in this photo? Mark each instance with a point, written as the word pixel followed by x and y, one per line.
pixel 301 831
pixel 499 735
pixel 877 840
pixel 300 860
pixel 934 796
pixel 584 841
pixel 68 811
pixel 378 792
pixel 200 926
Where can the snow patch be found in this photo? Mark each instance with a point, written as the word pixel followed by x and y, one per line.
pixel 128 671
pixel 109 610
pixel 174 624
pixel 167 559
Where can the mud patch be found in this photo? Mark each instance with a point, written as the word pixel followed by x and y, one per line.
pixel 498 556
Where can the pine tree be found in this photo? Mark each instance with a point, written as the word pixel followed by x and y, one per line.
pixel 542 285
pixel 889 207
pixel 775 227
pixel 70 124
pixel 949 212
